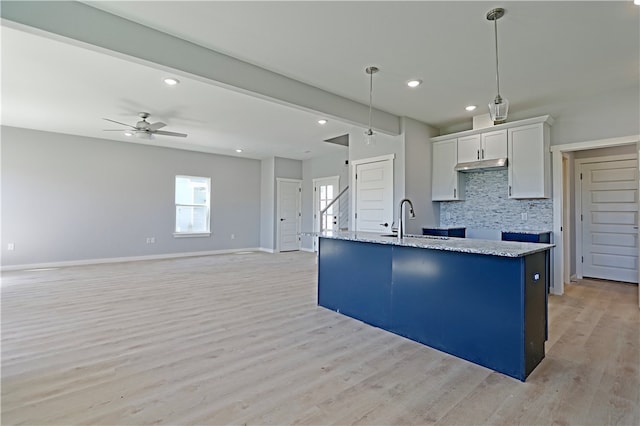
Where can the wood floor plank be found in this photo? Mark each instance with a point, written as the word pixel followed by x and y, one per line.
pixel 239 339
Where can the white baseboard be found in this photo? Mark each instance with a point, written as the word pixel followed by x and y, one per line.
pixel 267 250
pixel 308 250
pixel 122 259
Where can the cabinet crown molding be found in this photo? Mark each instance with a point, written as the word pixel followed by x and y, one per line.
pixel 542 119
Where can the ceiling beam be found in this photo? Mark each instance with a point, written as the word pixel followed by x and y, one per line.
pixel 95 28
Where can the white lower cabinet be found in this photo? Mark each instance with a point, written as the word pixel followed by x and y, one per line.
pixel 529 161
pixel 446 183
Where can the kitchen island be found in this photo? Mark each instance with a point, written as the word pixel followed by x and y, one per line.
pixel 483 301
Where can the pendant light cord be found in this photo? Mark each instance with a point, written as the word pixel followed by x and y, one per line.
pixel 370 97
pixel 495 28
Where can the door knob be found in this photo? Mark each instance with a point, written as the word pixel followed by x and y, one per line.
pixel 384 224
pixel 281 219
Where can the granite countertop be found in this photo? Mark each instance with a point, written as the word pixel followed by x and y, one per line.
pixel 462 245
pixel 444 227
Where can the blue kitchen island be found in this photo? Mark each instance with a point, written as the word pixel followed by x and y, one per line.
pixel 483 301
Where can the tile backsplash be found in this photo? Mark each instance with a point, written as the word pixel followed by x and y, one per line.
pixel 488 206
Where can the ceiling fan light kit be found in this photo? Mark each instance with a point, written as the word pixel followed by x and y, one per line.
pixel 143 129
pixel 499 107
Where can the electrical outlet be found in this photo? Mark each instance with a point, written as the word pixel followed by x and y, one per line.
pixel 233 236
pixel 524 216
pixel 11 246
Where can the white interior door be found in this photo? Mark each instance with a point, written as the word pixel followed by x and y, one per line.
pixel 289 214
pixel 609 194
pixel 325 190
pixel 374 196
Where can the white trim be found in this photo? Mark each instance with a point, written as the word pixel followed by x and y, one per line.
pixel 578 163
pixel 354 186
pixel 600 143
pixel 191 234
pixel 567 162
pixel 372 160
pixel 556 155
pixel 299 217
pixel 316 210
pixel 557 274
pixel 266 250
pixel 84 262
pixel 288 180
pixel 308 250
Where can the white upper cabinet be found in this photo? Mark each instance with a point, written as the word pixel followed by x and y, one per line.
pixel 469 148
pixel 529 161
pixel 524 143
pixel 446 183
pixel 482 146
pixel 493 145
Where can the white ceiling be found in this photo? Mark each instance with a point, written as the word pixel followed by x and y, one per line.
pixel 550 53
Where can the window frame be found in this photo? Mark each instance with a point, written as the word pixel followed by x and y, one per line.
pixel 188 234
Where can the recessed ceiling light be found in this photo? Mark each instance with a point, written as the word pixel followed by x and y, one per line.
pixel 636 2
pixel 322 121
pixel 170 81
pixel 238 150
pixel 128 133
pixel 470 107
pixel 414 83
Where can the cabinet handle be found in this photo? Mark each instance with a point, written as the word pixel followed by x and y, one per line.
pixel 478 155
pixel 483 154
pixel 454 193
pixel 509 190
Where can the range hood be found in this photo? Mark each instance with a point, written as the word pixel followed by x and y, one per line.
pixel 481 165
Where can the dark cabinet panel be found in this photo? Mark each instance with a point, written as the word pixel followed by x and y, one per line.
pixel 490 310
pixel 440 232
pixel 541 237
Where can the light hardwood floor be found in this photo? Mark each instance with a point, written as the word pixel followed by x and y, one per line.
pixel 238 339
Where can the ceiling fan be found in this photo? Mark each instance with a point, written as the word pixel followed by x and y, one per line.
pixel 143 129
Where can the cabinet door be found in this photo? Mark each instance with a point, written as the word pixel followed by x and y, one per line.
pixel 529 162
pixel 445 182
pixel 494 145
pixel 469 148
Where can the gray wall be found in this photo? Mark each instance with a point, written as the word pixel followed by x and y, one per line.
pixel 267 203
pixel 597 116
pixel 417 146
pixel 70 198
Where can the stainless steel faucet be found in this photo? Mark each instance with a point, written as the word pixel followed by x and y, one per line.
pixel 401 221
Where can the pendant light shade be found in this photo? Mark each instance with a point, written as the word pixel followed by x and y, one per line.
pixel 369 134
pixel 499 107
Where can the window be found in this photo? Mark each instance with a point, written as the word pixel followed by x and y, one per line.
pixel 192 205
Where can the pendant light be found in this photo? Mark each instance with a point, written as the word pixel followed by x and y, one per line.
pixel 369 135
pixel 499 108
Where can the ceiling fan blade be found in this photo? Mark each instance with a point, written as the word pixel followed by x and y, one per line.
pixel 117 122
pixel 162 132
pixel 115 130
pixel 156 126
